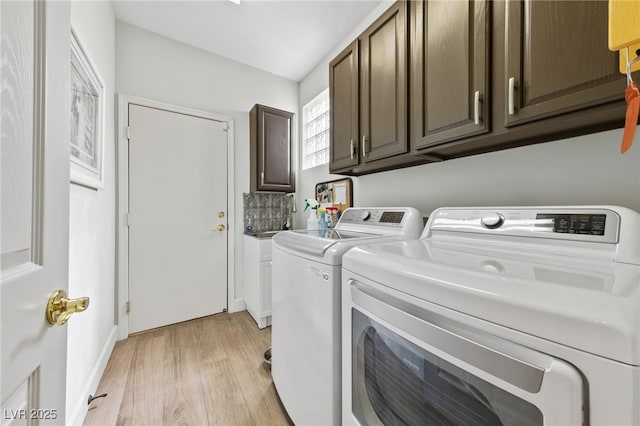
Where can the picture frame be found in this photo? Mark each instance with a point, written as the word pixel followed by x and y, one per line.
pixel 87 119
pixel 338 193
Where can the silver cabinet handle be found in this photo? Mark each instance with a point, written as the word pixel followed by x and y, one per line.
pixel 364 146
pixel 512 95
pixel 352 149
pixel 476 111
pixel 262 178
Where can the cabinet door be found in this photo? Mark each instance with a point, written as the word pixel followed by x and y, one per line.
pixel 383 85
pixel 343 98
pixel 275 165
pixel 449 70
pixel 557 59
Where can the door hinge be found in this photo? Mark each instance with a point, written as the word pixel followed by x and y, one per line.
pixel 127 132
pixel 127 307
pixel 127 219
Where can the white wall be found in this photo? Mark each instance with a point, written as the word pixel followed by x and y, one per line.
pixel 91 334
pixel 161 69
pixel 582 170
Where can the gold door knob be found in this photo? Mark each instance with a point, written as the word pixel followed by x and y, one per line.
pixel 221 214
pixel 60 307
pixel 220 228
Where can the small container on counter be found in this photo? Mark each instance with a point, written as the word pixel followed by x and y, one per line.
pixel 322 224
pixel 332 215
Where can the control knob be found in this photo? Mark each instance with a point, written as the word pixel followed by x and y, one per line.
pixel 366 214
pixel 492 220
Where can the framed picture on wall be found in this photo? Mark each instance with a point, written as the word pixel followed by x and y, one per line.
pixel 87 119
pixel 337 193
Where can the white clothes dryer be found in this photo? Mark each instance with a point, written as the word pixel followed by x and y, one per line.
pixel 306 280
pixel 511 316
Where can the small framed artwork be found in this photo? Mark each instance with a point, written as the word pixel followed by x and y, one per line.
pixel 87 118
pixel 337 193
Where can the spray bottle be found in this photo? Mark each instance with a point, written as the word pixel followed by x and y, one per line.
pixel 312 222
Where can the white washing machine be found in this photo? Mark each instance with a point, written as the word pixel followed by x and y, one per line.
pixel 514 316
pixel 306 279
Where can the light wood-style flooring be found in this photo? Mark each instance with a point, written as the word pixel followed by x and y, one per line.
pixel 207 371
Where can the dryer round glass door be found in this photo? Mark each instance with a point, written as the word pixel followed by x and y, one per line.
pixel 411 365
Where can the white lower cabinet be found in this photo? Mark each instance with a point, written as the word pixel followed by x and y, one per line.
pixel 257 279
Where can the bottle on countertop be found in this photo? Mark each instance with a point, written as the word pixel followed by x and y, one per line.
pixel 312 221
pixel 322 223
pixel 331 216
pixel 249 228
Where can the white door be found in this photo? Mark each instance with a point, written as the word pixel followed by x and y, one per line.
pixel 35 207
pixel 177 217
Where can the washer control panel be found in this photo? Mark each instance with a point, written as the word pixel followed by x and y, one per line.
pixel 492 220
pixel 373 216
pixel 576 223
pixel 570 223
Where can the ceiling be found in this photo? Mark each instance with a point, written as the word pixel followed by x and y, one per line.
pixel 286 38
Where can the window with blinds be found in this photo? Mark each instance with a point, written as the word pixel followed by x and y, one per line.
pixel 315 131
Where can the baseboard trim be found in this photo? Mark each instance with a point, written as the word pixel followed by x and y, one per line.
pixel 237 306
pixel 81 407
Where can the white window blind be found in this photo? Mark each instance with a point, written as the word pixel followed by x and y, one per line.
pixel 315 131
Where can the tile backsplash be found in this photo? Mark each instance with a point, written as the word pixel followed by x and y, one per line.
pixel 267 211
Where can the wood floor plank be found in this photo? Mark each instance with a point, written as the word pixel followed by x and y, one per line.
pixel 183 399
pixel 181 335
pixel 209 333
pixel 143 399
pixel 255 380
pixel 206 371
pixel 259 338
pixel 104 411
pixel 224 401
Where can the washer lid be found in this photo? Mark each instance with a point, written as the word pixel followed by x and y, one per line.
pixel 318 241
pixel 334 234
pixel 593 306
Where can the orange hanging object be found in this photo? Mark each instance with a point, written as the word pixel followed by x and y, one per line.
pixel 631 95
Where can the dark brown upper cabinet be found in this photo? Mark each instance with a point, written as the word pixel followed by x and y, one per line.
pixel 343 98
pixel 271 149
pixel 383 86
pixel 483 76
pixel 557 59
pixel 449 73
pixel 368 90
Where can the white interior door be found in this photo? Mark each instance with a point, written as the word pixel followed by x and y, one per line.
pixel 177 217
pixel 35 207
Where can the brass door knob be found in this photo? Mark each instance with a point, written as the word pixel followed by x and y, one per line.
pixel 221 214
pixel 220 228
pixel 60 307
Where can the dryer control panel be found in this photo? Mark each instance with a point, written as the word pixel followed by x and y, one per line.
pixel 589 224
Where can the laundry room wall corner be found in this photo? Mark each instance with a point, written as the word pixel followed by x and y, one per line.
pixel 92 335
pixel 201 80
